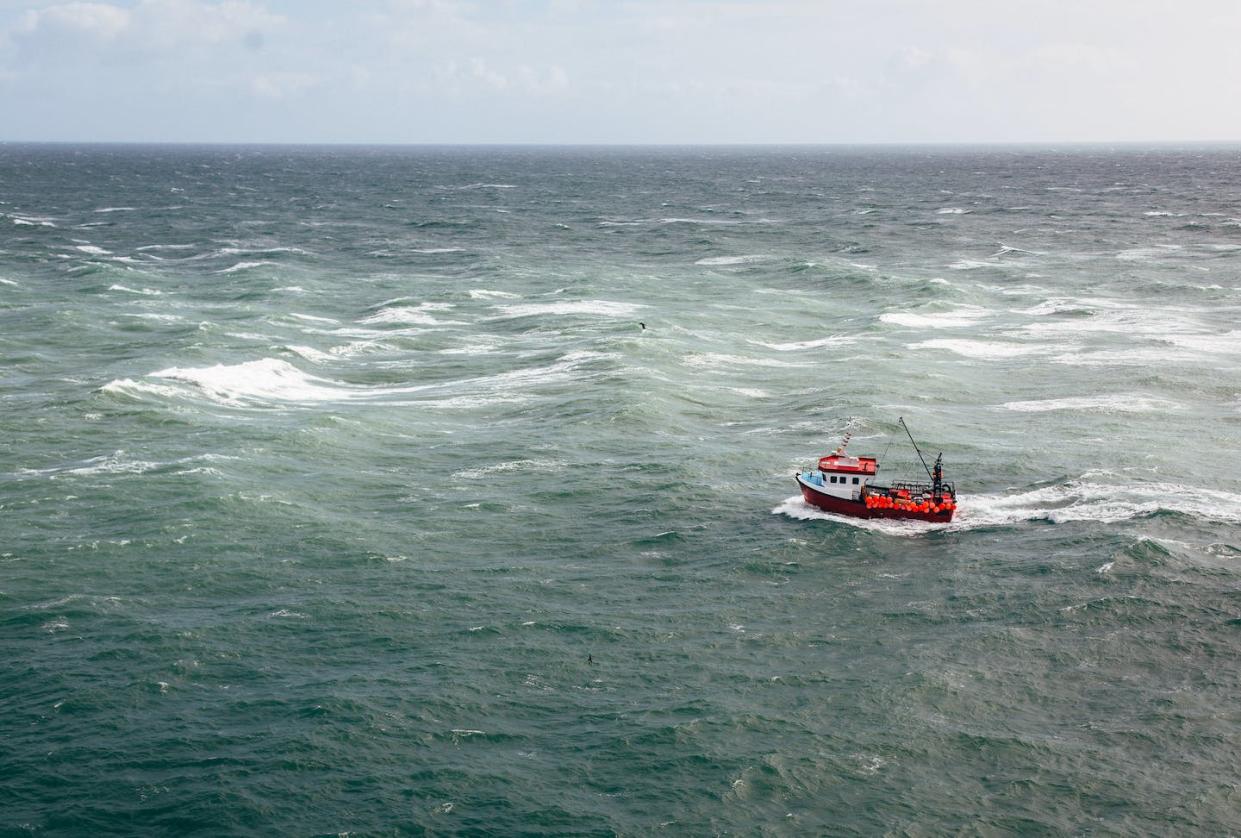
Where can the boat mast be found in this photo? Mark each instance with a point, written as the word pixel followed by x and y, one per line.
pixel 901 419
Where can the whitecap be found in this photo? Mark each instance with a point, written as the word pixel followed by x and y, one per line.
pixel 1090 501
pixel 93 250
pixel 713 261
pixel 834 340
pixel 129 387
pixel 267 378
pixel 271 379
pixel 1006 249
pixel 713 222
pixel 533 466
pixel 1128 357
pixel 1055 306
pixel 245 266
pixel 1117 403
pixel 311 354
pixel 471 402
pixel 116 209
pixel 312 318
pixel 1143 254
pixel 114 463
pixel 1228 343
pixel 485 294
pixel 418 315
pixel 148 292
pixel 952 211
pixel 958 318
pixel 111 464
pixel 1123 318
pixel 970 264
pixel 714 360
pixel 474 349
pixel 987 350
pixel 32 221
pixel 562 370
pixel 431 250
pixel 242 251
pixel 602 308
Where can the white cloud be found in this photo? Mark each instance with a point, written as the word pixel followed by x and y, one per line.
pixel 281 85
pixel 174 22
pixel 151 25
pixel 97 20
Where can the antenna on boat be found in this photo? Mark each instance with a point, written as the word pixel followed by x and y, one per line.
pixel 901 419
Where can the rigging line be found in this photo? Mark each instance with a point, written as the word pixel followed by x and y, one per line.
pixel 891 439
pixel 916 448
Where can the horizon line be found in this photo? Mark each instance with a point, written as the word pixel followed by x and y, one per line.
pixel 608 144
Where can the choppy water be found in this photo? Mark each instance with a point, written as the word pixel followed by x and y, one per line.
pixel 324 472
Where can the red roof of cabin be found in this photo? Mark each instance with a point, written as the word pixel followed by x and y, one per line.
pixel 851 465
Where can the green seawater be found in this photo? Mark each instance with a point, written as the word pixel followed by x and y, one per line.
pixel 342 491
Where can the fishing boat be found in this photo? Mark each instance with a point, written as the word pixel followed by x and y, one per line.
pixel 845 485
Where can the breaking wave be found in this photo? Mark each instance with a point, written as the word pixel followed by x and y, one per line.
pixel 265 379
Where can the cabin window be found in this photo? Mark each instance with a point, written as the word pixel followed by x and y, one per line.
pixel 833 478
pixel 855 481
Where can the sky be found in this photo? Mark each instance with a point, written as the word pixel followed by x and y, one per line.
pixel 620 71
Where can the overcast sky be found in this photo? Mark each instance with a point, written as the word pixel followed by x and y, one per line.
pixel 635 71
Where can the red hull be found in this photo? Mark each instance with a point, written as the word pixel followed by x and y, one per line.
pixel 858 509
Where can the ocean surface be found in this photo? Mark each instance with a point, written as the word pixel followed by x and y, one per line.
pixel 343 491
